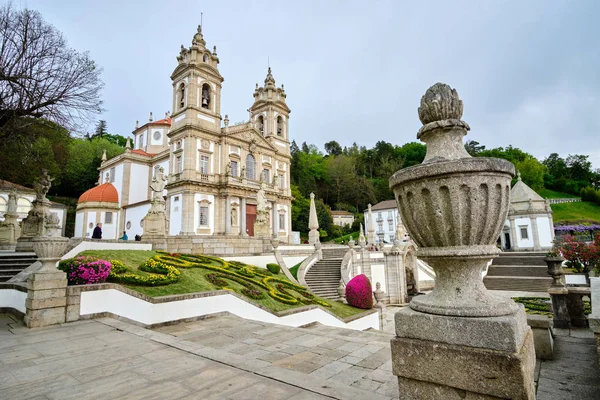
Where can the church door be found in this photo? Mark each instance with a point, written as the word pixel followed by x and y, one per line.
pixel 250 218
pixel 507 240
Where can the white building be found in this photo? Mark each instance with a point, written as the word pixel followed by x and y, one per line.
pixel 342 218
pixel 386 217
pixel 529 225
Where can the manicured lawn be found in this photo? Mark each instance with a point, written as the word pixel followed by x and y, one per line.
pixel 346 238
pixel 576 212
pixel 551 194
pixel 194 279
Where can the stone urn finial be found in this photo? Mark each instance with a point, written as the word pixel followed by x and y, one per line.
pixel 439 103
pixel 454 207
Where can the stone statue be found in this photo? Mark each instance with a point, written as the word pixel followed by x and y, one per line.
pixel 158 182
pixel 234 217
pixel 228 169
pixel 12 202
pixel 261 199
pixel 243 172
pixel 42 185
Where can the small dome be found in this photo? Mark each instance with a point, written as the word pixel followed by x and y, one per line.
pixel 105 193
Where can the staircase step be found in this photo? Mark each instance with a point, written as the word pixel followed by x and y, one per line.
pixel 511 270
pixel 521 283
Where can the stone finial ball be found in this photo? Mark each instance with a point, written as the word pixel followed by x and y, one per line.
pixel 440 102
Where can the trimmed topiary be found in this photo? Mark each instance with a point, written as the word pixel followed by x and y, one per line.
pixel 274 268
pixel 359 292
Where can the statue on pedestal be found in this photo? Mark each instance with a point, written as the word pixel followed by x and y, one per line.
pixel 155 221
pixel 261 226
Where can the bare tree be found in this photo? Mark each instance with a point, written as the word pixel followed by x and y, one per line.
pixel 40 76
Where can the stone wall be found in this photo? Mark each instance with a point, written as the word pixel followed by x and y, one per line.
pixel 213 245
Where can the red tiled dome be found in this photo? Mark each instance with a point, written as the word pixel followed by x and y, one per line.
pixel 102 193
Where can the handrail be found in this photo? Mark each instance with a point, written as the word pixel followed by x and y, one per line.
pixel 305 266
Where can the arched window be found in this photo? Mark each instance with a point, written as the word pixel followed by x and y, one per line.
pixel 182 95
pixel 260 125
pixel 206 96
pixel 205 57
pixel 279 126
pixel 250 166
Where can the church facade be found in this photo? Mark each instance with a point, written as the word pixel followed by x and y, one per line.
pixel 215 169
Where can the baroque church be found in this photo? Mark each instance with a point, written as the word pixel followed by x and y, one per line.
pixel 214 170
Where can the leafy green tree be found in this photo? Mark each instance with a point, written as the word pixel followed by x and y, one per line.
pixel 532 172
pixel 473 147
pixel 333 148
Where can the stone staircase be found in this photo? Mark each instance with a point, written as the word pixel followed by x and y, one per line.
pixel 13 263
pixel 518 271
pixel 323 278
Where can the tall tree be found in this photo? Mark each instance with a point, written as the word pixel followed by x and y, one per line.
pixel 333 148
pixel 473 147
pixel 40 76
pixel 100 129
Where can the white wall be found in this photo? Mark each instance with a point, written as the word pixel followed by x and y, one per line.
pixel 545 230
pixel 118 183
pixel 378 275
pixel 122 304
pixel 91 218
pixel 211 210
pixel 100 245
pixel 79 228
pixel 175 214
pixel 109 231
pixel 134 215
pixel 11 298
pixel 138 183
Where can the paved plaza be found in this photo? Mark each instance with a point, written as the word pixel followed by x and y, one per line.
pixel 227 357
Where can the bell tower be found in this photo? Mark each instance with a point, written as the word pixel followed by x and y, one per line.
pixel 270 113
pixel 197 86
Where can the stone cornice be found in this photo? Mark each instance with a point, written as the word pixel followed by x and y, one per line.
pixel 97 205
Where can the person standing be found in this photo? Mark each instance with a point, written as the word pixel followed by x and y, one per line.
pixel 97 231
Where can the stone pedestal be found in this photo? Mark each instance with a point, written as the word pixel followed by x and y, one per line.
pixel 560 311
pixel 155 221
pixel 9 231
pixel 447 357
pixel 39 222
pixel 313 236
pixel 261 230
pixel 47 288
pixel 46 299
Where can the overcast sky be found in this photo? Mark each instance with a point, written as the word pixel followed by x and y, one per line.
pixel 528 72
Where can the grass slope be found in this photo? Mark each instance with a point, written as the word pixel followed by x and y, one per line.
pixel 551 194
pixel 576 212
pixel 194 280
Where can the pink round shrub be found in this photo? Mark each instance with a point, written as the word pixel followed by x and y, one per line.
pixel 359 292
pixel 85 270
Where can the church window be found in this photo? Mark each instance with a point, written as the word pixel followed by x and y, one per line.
pixel 390 225
pixel 234 168
pixel 524 233
pixel 279 126
pixel 182 95
pixel 204 164
pixel 205 57
pixel 266 175
pixel 178 164
pixel 260 122
pixel 250 163
pixel 203 220
pixel 108 218
pixel 112 174
pixel 281 181
pixel 128 225
pixel 206 96
pixel 157 135
pixel 91 225
pixel 141 141
pixel 282 221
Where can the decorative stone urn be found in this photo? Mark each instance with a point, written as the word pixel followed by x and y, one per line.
pixel 555 270
pixel 49 250
pixel 379 296
pixel 454 207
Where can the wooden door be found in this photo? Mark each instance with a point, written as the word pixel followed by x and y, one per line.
pixel 250 218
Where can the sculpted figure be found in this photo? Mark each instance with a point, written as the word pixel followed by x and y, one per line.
pixel 42 185
pixel 12 202
pixel 261 198
pixel 159 181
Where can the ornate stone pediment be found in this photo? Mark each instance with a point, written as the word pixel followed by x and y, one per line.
pixel 253 138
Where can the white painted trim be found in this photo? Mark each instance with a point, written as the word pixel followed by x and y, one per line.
pixel 124 305
pixel 11 298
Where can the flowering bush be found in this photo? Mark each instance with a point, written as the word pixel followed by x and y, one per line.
pixel 359 292
pixel 85 270
pixel 581 256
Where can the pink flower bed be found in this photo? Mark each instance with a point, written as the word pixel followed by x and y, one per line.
pixel 85 270
pixel 359 292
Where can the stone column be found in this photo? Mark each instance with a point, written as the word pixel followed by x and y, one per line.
pixel 227 216
pixel 243 217
pixel 536 234
pixel 47 288
pixel 188 208
pixel 370 227
pixel 459 341
pixel 514 244
pixel 313 222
